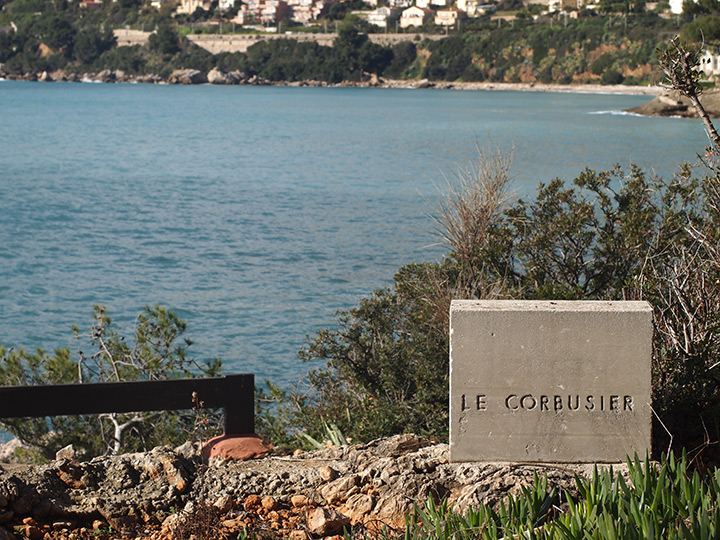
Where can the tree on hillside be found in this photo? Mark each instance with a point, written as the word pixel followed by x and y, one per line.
pixel 165 40
pixel 701 7
pixel 91 43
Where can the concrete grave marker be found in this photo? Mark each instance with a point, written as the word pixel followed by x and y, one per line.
pixel 549 381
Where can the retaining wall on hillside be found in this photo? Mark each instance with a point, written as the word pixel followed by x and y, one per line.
pixel 218 43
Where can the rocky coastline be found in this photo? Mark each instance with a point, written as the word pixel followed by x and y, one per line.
pixel 671 103
pixel 169 493
pixel 219 77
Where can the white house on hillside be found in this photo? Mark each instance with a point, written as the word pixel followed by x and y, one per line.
pixel 423 4
pixel 381 16
pixel 415 16
pixel 448 16
pixel 710 64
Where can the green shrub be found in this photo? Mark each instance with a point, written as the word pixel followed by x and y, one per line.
pixel 609 235
pixel 657 501
pixel 156 352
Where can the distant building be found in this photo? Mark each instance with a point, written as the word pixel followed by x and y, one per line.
pixel 423 4
pixel 159 4
pixel 710 64
pixel 561 5
pixel 190 6
pixel 304 11
pixel 415 16
pixel 226 5
pixel 90 4
pixel 382 15
pixel 264 11
pixel 475 8
pixel 449 16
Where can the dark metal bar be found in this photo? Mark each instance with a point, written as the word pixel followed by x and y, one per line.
pixel 239 404
pixel 234 393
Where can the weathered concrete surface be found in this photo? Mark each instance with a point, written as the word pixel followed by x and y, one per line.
pixel 550 381
pixel 219 43
pixel 127 38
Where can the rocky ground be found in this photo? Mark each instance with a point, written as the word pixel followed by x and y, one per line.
pixel 171 494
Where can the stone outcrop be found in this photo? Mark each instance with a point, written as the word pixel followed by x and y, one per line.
pixel 671 103
pixel 187 76
pixel 313 493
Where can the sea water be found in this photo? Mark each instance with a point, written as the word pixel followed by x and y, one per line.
pixel 257 212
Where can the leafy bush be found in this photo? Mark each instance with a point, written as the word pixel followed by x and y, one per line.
pixel 156 352
pixel 609 235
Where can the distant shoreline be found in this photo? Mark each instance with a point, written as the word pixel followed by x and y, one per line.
pixel 520 87
pixel 374 82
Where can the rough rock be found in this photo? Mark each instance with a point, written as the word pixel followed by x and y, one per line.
pixel 672 103
pixel 67 452
pixel 59 76
pixel 375 482
pixel 217 76
pixel 8 452
pixel 105 76
pixel 187 76
pixel 327 522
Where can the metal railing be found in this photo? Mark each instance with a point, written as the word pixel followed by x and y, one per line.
pixel 234 393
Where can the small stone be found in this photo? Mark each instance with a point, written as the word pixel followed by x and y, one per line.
pixel 327 522
pixel 251 501
pixel 67 453
pixel 328 474
pixel 224 503
pixel 33 532
pixel 358 507
pixel 340 489
pixel 298 501
pixel 269 503
pixel 233 524
pixel 299 534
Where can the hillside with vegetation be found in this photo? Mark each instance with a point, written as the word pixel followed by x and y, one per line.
pixel 614 44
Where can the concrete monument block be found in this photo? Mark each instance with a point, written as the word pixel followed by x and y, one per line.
pixel 549 381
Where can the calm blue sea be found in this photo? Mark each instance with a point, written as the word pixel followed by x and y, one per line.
pixel 257 212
